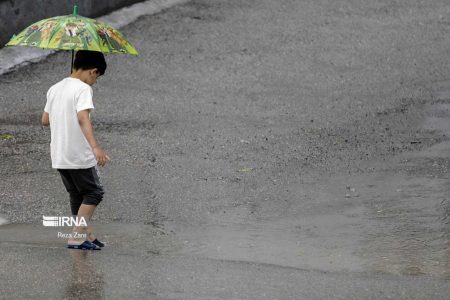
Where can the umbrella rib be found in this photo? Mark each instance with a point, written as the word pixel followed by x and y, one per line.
pixel 55 30
pixel 94 35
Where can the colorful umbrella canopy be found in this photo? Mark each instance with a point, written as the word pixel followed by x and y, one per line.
pixel 73 32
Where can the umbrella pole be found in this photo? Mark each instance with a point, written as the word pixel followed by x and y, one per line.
pixel 71 67
pixel 75 12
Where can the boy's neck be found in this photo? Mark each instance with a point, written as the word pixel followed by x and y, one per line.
pixel 78 74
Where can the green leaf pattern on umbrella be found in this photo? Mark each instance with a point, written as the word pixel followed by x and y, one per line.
pixel 73 33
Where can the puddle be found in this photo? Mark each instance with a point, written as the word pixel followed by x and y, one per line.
pixel 392 220
pixel 406 227
pixel 388 223
pixel 302 243
pixel 126 238
pixel 395 219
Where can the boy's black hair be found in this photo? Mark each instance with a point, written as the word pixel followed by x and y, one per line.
pixel 86 60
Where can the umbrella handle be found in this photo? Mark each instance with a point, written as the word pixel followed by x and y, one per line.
pixel 71 67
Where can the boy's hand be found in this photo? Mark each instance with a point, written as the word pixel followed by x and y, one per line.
pixel 45 120
pixel 101 156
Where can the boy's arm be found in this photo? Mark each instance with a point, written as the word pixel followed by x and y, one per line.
pixel 45 120
pixel 88 131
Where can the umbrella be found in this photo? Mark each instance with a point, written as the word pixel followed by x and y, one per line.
pixel 73 32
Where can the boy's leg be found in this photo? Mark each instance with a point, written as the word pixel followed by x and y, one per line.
pixel 75 197
pixel 86 211
pixel 88 184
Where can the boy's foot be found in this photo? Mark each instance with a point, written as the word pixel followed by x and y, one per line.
pixel 94 240
pixel 98 243
pixel 86 245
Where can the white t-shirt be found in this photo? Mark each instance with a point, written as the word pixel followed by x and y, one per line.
pixel 69 147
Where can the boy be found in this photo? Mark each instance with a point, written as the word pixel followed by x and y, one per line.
pixel 75 152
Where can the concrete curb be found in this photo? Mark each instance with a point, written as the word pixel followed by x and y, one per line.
pixel 12 58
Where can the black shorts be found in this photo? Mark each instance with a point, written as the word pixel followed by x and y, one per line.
pixel 83 185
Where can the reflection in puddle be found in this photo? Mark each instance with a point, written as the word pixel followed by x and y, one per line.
pixel 84 281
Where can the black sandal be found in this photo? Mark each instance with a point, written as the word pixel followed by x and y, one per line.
pixel 98 243
pixel 86 245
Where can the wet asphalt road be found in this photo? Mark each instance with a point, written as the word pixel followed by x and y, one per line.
pixel 278 150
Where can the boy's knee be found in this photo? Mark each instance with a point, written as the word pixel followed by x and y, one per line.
pixel 93 197
pixel 75 197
